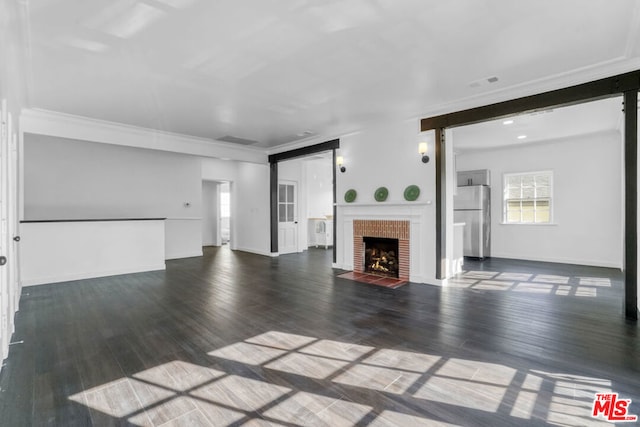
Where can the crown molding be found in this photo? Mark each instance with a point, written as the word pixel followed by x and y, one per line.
pixel 64 125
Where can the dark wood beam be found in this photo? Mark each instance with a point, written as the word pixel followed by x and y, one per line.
pixel 441 205
pixel 335 206
pixel 631 204
pixel 599 89
pixel 273 192
pixel 305 151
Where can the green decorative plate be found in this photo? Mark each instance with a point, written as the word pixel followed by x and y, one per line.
pixel 350 195
pixel 381 194
pixel 411 193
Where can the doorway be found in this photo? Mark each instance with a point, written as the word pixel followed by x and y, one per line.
pixel 305 221
pixel 225 213
pixel 556 182
pixel 216 213
pixel 274 161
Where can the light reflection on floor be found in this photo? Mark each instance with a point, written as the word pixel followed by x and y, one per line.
pixel 181 393
pixel 529 283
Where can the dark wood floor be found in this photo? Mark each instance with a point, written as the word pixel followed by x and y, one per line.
pixel 238 339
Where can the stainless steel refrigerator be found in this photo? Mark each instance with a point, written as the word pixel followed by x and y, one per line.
pixel 472 205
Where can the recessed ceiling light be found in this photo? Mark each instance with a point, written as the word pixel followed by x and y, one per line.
pixel 507 122
pixel 522 136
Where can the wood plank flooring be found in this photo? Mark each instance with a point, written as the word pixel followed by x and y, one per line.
pixel 234 339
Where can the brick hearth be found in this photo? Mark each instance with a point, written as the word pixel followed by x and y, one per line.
pixel 386 229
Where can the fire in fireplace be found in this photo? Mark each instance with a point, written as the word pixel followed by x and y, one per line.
pixel 381 256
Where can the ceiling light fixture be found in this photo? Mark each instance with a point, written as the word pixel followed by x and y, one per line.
pixel 522 136
pixel 507 122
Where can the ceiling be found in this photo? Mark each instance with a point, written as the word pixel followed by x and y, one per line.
pixel 269 72
pixel 552 124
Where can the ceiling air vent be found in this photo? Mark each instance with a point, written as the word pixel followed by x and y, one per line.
pixel 483 81
pixel 236 140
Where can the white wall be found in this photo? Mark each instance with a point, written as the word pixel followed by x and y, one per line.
pixel 250 201
pixel 453 263
pixel 387 155
pixel 210 213
pixel 219 170
pixel 89 249
pixel 69 179
pixel 319 187
pixel 250 211
pixel 587 199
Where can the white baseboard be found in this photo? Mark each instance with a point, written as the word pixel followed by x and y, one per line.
pixel 591 263
pixel 89 275
pixel 258 252
pixel 179 255
pixel 421 280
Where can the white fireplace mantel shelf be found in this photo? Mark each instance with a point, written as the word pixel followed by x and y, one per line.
pixel 382 204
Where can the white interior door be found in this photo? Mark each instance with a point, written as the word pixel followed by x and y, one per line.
pixel 287 217
pixel 5 295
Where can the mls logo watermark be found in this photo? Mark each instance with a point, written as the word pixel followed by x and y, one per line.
pixel 613 409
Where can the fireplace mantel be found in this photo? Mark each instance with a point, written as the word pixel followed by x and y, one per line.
pixel 421 239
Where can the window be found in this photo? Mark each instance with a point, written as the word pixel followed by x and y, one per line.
pixel 286 203
pixel 527 198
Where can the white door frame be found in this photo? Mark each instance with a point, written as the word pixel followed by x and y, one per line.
pixel 219 214
pixel 9 272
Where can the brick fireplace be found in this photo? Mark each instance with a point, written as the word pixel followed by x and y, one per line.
pixel 388 229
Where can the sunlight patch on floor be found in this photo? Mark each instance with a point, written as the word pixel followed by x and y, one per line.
pixel 306 365
pixel 250 354
pixel 493 285
pixel 550 278
pixel 322 380
pixel 528 283
pixel 595 281
pixel 480 275
pixel 312 409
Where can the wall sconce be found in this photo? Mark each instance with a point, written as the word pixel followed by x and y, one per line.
pixel 422 149
pixel 340 163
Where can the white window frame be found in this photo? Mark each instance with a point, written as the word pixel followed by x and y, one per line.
pixel 505 199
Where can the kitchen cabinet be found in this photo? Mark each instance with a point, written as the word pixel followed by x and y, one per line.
pixel 320 232
pixel 475 177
